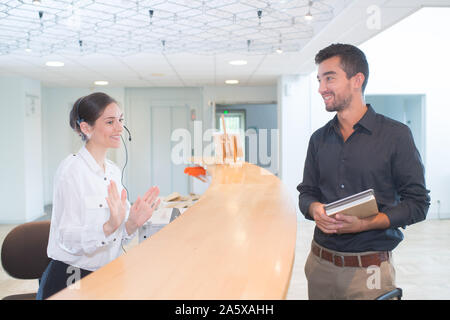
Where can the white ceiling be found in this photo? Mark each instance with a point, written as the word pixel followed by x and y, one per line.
pixel 182 42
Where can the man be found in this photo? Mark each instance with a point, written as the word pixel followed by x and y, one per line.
pixel 351 258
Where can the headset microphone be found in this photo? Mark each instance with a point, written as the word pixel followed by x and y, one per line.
pixel 129 134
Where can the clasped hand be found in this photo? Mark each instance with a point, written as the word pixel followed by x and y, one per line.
pixel 141 210
pixel 338 223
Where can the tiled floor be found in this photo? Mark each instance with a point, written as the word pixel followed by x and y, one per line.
pixel 422 262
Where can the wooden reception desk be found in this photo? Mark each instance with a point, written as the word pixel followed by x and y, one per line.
pixel 236 242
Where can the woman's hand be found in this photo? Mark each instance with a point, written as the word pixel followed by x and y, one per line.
pixel 117 208
pixel 142 210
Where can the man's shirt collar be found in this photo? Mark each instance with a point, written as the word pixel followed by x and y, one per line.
pixel 367 121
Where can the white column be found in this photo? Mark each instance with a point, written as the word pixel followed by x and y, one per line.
pixel 294 123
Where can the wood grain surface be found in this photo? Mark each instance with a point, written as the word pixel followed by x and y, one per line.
pixel 236 242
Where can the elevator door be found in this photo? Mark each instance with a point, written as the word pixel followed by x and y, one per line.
pixel 169 177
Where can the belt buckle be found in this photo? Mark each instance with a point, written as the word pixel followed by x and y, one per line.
pixel 342 260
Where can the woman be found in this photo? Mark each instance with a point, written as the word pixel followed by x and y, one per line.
pixel 91 216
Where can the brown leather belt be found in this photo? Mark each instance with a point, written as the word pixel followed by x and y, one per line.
pixel 364 261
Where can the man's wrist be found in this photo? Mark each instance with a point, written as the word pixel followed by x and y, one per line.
pixel 312 207
pixel 378 221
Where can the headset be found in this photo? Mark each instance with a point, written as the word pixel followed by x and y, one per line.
pixel 77 107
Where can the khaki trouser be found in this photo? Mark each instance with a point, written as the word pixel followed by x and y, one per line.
pixel 327 281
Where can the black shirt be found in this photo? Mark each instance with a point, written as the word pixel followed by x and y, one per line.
pixel 380 155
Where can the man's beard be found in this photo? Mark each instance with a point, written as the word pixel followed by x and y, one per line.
pixel 339 103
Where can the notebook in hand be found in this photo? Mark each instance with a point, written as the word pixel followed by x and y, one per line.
pixel 361 205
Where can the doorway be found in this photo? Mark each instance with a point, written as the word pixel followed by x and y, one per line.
pixel 258 125
pixel 167 175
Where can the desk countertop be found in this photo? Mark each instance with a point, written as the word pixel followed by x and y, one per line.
pixel 236 242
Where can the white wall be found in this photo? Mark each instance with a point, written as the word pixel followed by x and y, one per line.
pixel 418 64
pixel 21 190
pixel 12 162
pixel 34 194
pixel 294 121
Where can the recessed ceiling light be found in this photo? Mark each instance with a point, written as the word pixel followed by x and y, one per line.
pixel 279 51
pixel 54 64
pixel 238 62
pixel 28 50
pixel 101 83
pixel 37 2
pixel 231 81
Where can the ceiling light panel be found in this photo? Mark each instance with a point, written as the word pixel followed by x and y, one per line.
pixel 126 27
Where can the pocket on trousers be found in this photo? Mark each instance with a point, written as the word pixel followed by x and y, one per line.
pixel 309 265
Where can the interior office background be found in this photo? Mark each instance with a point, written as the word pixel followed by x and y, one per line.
pixel 408 71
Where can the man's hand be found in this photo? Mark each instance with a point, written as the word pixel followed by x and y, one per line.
pixel 351 224
pixel 323 221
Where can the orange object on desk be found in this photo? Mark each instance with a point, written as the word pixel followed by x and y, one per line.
pixel 195 171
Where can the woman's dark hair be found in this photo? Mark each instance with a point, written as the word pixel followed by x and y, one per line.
pixel 353 60
pixel 88 109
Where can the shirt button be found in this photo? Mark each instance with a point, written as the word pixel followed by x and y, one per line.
pixel 342 186
pixel 114 239
pixel 103 242
pixel 105 178
pixel 100 205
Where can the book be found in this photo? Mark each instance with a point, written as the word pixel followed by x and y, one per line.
pixel 361 205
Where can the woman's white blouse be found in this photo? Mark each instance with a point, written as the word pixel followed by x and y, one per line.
pixel 80 210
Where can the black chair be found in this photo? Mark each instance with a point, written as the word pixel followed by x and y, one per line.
pixel 393 294
pixel 24 254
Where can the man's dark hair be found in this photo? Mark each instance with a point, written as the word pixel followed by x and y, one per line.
pixel 353 60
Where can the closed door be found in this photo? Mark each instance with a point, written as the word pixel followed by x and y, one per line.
pixel 168 176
